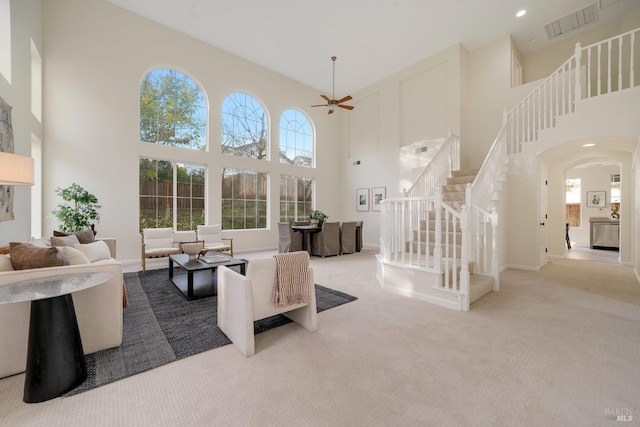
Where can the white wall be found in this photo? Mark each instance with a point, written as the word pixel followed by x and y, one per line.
pixel 95 57
pixel 541 63
pixel 26 25
pixel 489 94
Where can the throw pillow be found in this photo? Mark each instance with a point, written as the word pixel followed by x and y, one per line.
pixel 41 243
pixel 5 263
pixel 94 251
pixel 84 236
pixel 25 256
pixel 73 255
pixel 64 240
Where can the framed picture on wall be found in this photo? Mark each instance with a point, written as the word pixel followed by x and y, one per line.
pixel 362 199
pixel 377 195
pixel 596 199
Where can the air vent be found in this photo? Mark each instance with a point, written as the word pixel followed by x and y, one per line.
pixel 421 150
pixel 572 21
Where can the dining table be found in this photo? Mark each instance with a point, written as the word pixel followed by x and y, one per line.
pixel 306 231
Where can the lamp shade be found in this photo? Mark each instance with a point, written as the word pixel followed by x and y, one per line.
pixel 15 169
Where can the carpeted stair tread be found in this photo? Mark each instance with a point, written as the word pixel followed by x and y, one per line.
pixel 479 286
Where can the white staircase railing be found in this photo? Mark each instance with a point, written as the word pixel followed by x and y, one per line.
pixel 601 68
pixel 438 170
pixel 481 196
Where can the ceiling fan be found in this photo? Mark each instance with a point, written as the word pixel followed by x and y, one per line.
pixel 333 102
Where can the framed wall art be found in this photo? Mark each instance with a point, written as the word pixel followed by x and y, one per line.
pixel 362 199
pixel 377 195
pixel 596 199
pixel 6 146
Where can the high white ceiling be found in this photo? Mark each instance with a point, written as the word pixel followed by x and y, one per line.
pixel 371 38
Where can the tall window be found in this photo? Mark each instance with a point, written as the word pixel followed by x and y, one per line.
pixel 171 195
pixel 295 198
pixel 296 139
pixel 244 199
pixel 36 82
pixel 245 128
pixel 572 199
pixel 5 39
pixel 172 110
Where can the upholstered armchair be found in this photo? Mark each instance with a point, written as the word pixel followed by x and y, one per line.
pixel 213 240
pixel 162 242
pixel 348 237
pixel 327 241
pixel 244 299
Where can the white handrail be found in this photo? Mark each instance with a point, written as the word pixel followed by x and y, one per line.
pixel 438 170
pixel 598 69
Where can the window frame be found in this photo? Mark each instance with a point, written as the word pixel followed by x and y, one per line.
pixel 174 196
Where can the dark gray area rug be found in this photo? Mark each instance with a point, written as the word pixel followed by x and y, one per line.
pixel 160 326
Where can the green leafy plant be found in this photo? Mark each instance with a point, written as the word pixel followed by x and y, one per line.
pixel 319 215
pixel 80 210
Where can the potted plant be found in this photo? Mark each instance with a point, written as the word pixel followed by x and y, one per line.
pixel 80 210
pixel 317 218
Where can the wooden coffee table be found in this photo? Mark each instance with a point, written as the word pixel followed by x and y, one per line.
pixel 200 279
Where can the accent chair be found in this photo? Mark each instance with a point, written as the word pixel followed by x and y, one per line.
pixel 244 299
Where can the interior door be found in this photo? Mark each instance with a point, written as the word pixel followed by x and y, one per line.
pixel 542 215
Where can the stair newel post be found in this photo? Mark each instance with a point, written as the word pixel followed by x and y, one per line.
pixel 494 250
pixel 468 201
pixel 437 249
pixel 578 86
pixel 464 257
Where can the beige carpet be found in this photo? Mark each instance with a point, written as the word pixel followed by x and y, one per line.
pixel 559 347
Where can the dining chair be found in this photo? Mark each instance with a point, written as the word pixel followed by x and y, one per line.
pixel 284 237
pixel 348 237
pixel 327 241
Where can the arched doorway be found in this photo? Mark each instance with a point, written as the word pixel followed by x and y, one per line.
pixel 615 153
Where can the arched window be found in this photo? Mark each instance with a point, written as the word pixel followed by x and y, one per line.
pixel 172 110
pixel 296 139
pixel 245 127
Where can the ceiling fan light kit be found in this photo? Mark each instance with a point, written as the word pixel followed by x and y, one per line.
pixel 333 102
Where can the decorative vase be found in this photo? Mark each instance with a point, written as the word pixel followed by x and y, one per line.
pixel 192 249
pixel 315 222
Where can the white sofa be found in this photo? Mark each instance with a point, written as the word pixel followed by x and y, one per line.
pixel 98 310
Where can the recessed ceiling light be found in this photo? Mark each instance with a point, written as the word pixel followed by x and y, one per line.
pixel 588 145
pixel 521 13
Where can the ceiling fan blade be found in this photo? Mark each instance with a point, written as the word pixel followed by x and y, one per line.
pixel 345 99
pixel 330 112
pixel 325 97
pixel 346 107
pixel 320 105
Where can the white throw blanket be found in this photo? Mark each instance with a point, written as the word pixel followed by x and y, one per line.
pixel 292 279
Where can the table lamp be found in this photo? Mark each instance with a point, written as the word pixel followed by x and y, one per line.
pixel 15 169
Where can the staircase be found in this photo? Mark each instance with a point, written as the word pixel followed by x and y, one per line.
pixel 440 242
pixel 453 195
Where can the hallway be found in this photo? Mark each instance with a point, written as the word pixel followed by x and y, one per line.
pixel 586 254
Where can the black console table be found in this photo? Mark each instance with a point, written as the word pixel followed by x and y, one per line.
pixel 55 358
